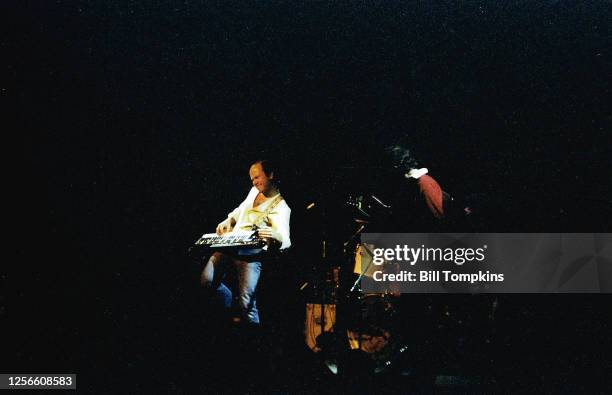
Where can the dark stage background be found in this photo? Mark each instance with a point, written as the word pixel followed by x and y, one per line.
pixel 136 123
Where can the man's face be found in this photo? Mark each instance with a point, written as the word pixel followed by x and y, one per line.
pixel 259 179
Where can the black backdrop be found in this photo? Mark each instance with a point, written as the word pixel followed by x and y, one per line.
pixel 137 123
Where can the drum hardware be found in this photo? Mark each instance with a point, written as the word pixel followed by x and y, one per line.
pixel 362 270
pixel 389 362
pixel 320 320
pixel 349 319
pixel 366 205
pixel 370 329
pixel 322 290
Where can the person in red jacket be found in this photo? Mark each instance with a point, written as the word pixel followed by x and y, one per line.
pixel 429 191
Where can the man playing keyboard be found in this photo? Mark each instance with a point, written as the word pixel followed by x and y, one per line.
pixel 265 210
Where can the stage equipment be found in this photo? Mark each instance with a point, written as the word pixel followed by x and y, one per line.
pixel 320 319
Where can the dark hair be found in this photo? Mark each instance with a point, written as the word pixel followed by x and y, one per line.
pixel 401 157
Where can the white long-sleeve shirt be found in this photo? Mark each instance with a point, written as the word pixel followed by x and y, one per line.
pixel 246 215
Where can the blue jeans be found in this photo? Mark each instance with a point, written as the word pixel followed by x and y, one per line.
pixel 248 276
